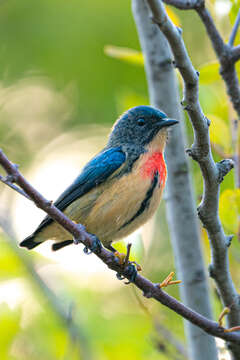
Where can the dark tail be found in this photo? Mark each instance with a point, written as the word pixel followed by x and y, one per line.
pixel 29 242
pixel 61 244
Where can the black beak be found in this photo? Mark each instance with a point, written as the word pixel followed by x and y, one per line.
pixel 167 122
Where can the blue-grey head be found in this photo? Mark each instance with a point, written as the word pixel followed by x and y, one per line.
pixel 139 126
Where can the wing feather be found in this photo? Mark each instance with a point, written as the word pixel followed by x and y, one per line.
pixel 93 174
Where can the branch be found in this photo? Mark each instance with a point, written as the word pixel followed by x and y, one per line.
pixel 201 152
pixel 8 181
pixel 149 289
pixel 184 4
pixel 236 53
pixel 234 30
pixel 226 55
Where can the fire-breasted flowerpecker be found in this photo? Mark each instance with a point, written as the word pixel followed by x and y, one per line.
pixel 120 188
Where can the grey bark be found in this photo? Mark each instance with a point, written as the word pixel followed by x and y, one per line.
pixel 181 213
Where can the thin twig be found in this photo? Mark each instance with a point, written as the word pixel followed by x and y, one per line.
pixel 6 181
pixel 126 260
pixel 149 289
pixel 226 55
pixel 234 30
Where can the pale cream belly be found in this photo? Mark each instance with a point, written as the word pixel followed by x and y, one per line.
pixel 104 212
pixel 108 218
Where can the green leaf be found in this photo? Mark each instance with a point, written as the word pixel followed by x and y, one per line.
pixel 209 72
pixel 173 16
pixel 229 209
pixel 234 11
pixel 10 264
pixel 129 55
pixel 219 132
pixel 127 99
pixel 10 325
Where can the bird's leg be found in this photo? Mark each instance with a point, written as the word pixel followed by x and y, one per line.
pixel 168 281
pixel 131 267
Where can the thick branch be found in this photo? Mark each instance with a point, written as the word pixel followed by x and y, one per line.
pixel 201 152
pixel 149 289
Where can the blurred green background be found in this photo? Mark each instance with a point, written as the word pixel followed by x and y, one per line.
pixel 66 73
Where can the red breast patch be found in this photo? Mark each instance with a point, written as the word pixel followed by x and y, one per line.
pixel 155 162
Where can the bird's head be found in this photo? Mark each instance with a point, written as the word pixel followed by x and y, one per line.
pixel 141 126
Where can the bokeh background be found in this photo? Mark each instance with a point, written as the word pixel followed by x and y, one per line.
pixel 67 71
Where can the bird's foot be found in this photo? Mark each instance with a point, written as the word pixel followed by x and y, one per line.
pixel 130 272
pixel 96 246
pixel 168 281
pixel 130 268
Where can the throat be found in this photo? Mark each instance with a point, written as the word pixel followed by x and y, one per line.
pixel 153 163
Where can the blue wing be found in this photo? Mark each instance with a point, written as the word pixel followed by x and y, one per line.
pixel 94 173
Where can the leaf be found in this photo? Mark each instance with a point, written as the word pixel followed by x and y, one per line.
pixel 209 72
pixel 126 54
pixel 127 99
pixel 234 11
pixel 219 132
pixel 137 250
pixel 229 209
pixel 10 325
pixel 238 68
pixel 175 19
pixel 10 265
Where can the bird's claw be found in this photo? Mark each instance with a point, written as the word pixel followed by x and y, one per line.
pixel 130 268
pixel 96 246
pixel 131 272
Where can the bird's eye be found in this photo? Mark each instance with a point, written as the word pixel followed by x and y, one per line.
pixel 141 122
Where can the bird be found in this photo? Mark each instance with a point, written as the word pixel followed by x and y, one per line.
pixel 120 188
